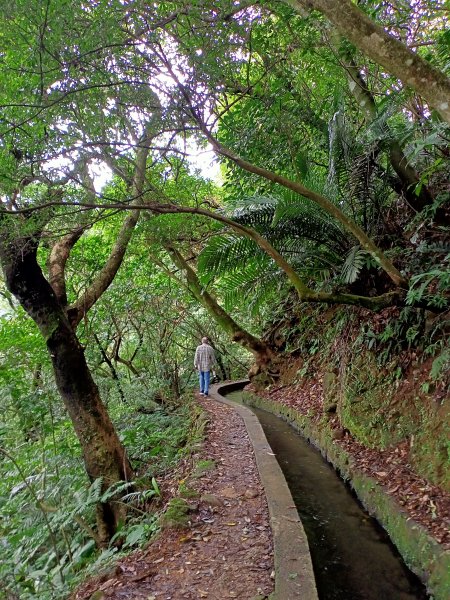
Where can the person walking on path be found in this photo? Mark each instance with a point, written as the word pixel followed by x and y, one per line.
pixel 203 361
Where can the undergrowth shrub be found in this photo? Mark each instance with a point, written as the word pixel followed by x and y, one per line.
pixel 47 514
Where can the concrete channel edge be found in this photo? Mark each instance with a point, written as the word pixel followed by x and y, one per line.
pixel 294 575
pixel 421 553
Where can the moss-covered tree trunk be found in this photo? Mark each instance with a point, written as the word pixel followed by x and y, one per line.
pixel 103 453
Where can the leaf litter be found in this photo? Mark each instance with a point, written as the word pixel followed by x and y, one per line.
pixel 226 553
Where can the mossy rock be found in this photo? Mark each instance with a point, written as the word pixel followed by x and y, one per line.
pixel 176 515
pixel 186 492
pixel 430 446
pixel 330 392
pixel 366 406
pixel 212 500
pixel 202 467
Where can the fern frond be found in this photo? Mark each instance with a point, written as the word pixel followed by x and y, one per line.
pixel 353 264
pixel 116 488
pixel 242 284
pixel 94 492
pixel 290 217
pixel 266 287
pixel 223 254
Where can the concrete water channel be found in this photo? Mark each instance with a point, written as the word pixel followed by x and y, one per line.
pixel 352 556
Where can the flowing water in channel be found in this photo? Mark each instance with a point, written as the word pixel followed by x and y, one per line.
pixel 352 556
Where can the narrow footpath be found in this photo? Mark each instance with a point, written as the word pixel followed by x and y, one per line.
pixel 227 551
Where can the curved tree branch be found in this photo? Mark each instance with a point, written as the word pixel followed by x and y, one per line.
pixel 390 53
pixel 295 186
pixel 323 202
pixel 108 272
pixel 305 293
pixel 225 321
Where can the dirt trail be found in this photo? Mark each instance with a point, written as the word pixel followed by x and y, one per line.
pixel 226 552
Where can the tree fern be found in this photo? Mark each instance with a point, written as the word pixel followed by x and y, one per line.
pixel 299 230
pixel 355 179
pixel 290 217
pixel 265 288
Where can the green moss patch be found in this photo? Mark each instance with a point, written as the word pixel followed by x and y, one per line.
pixel 176 515
pixel 202 467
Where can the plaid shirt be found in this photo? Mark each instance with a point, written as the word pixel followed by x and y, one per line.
pixel 204 357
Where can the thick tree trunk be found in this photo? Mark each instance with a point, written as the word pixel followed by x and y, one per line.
pixel 103 454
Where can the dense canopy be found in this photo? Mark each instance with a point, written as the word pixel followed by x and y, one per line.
pixel 175 169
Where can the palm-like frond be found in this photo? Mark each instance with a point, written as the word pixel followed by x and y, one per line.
pixel 253 283
pixel 243 269
pixel 290 217
pixel 355 178
pixel 266 287
pixel 225 254
pixel 299 230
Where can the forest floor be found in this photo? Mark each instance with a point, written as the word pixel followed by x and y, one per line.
pixel 226 552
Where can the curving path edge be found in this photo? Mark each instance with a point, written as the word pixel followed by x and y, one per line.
pixel 294 575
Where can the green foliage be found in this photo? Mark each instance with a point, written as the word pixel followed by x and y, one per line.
pixel 302 233
pixel 48 511
pixel 432 286
pixel 160 446
pixel 440 368
pixel 353 264
pixel 79 84
pixel 176 514
pixel 290 217
pixel 227 253
pixel 397 334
